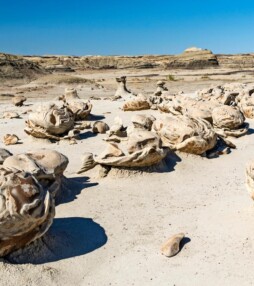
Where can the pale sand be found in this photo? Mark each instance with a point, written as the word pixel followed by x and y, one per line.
pixel 109 231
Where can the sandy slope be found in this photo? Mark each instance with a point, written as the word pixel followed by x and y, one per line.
pixel 109 231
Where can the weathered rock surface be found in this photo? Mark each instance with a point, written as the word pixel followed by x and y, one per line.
pixel 100 127
pixel 49 121
pixel 186 134
pixel 229 121
pixel 26 210
pixel 47 166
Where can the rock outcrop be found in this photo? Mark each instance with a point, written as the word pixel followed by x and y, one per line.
pixel 16 67
pixel 193 58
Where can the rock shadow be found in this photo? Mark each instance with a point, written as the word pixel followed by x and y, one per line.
pixel 86 135
pixel 66 238
pixel 250 131
pixel 183 242
pixel 171 160
pixel 93 117
pixel 71 188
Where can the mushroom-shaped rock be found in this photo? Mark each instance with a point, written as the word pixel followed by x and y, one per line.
pixel 71 93
pixel 160 88
pixel 186 134
pixel 47 166
pixel 229 121
pixel 122 90
pixel 100 127
pixel 10 139
pixel 26 210
pixel 172 246
pixel 49 121
pixel 18 100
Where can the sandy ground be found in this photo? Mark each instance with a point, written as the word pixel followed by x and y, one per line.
pixel 108 231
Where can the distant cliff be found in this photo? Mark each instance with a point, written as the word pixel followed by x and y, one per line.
pixel 16 67
pixel 192 58
pixel 29 67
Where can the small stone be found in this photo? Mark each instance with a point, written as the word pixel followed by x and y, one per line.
pixel 18 100
pixel 100 127
pixel 172 246
pixel 10 115
pixel 10 139
pixel 73 141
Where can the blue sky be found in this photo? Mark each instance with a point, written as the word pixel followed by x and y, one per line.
pixel 127 27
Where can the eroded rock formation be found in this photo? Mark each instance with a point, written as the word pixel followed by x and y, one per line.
pixel 26 210
pixel 229 121
pixel 49 121
pixel 122 90
pixel 186 134
pixel 47 166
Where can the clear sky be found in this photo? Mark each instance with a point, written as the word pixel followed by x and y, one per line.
pixel 110 27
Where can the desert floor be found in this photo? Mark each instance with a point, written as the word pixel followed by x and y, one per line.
pixel 108 231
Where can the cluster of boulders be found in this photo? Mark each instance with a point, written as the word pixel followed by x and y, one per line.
pixel 223 107
pixel 143 147
pixel 29 185
pixel 57 121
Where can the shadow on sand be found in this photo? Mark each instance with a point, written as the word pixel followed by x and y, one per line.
pixel 66 238
pixel 183 242
pixel 71 188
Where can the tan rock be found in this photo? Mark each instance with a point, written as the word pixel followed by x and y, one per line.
pixel 100 127
pixel 229 121
pixel 18 100
pixel 26 210
pixel 142 121
pixel 137 104
pixel 10 115
pixel 246 105
pixel 47 166
pixel 112 150
pixel 79 108
pixel 141 139
pixel 71 93
pixel 10 139
pixel 172 246
pixel 186 134
pixel 49 121
pixel 87 162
